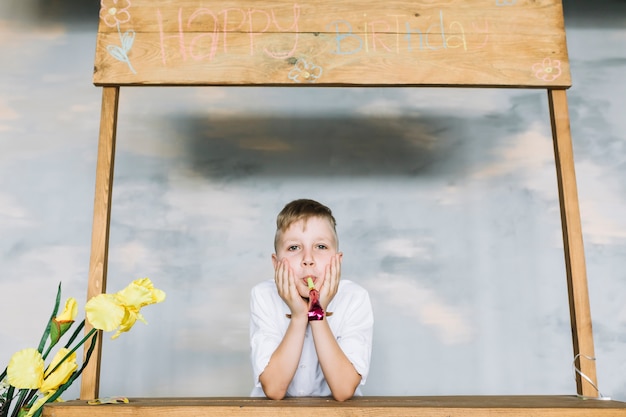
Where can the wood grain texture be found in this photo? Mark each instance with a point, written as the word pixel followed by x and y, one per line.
pixel 580 311
pixel 447 406
pixel 100 229
pixel 502 43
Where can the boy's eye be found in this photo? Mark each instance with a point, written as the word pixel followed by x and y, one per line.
pixel 321 246
pixel 292 247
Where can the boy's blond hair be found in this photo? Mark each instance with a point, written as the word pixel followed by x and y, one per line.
pixel 303 209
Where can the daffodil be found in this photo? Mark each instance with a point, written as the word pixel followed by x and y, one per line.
pixel 140 293
pixel 25 370
pixel 37 405
pixel 70 310
pixel 59 371
pixel 130 318
pixel 104 312
pixel 61 323
pixel 122 310
pixel 39 385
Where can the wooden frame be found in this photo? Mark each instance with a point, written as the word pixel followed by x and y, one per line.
pixel 441 406
pixel 342 43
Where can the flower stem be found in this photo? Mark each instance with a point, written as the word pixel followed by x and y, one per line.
pixel 76 333
pixel 20 403
pixel 75 375
pixel 4 411
pixel 79 344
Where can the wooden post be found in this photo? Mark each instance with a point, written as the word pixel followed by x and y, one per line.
pixel 580 312
pixel 100 231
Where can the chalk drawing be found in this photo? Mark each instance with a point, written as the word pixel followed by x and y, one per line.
pixel 305 72
pixel 547 70
pixel 114 16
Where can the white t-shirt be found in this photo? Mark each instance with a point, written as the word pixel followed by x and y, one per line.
pixel 351 322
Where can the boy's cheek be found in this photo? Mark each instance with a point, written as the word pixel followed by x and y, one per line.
pixel 320 282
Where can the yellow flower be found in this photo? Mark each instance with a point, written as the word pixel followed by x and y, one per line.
pixel 121 310
pixel 53 379
pixel 61 323
pixel 40 402
pixel 70 311
pixel 140 293
pixel 25 369
pixel 104 312
pixel 136 295
pixel 130 317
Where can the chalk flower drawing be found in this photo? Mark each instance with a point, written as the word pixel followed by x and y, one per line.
pixel 114 13
pixel 304 72
pixel 548 69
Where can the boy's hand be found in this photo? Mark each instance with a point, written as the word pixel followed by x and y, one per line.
pixel 332 275
pixel 286 286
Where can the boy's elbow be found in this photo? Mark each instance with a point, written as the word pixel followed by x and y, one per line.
pixel 274 392
pixel 345 391
pixel 275 395
pixel 343 394
pixel 340 397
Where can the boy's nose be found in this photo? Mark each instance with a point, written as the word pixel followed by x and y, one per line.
pixel 307 259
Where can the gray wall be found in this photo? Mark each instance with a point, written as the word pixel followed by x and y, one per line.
pixel 446 202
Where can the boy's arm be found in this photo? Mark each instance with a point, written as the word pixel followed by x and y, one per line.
pixel 279 372
pixel 340 374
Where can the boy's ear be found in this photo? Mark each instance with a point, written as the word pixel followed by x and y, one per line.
pixel 274 260
pixel 340 255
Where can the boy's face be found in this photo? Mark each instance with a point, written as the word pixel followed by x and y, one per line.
pixel 308 245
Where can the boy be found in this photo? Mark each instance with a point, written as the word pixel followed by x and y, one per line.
pixel 294 353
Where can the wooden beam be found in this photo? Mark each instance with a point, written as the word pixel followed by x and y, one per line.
pixel 333 42
pixel 100 229
pixel 445 406
pixel 580 312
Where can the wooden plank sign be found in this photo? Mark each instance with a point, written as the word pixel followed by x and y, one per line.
pixel 464 43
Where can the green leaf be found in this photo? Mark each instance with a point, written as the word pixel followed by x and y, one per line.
pixel 4 411
pixel 75 334
pixel 46 332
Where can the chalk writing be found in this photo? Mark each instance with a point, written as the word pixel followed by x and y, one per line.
pixel 255 22
pixel 305 72
pixel 347 43
pixel 195 42
pixel 201 33
pixel 114 16
pixel 547 70
pixel 441 35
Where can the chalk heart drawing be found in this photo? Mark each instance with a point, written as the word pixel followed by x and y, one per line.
pixel 114 13
pixel 547 70
pixel 305 72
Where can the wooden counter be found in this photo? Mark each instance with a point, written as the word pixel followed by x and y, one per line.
pixel 440 406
